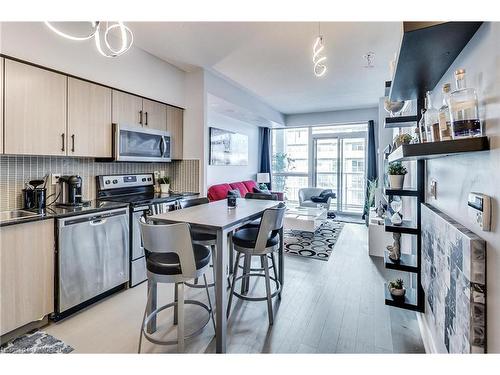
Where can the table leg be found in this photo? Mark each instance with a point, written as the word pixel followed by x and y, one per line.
pixel 152 303
pixel 281 258
pixel 221 291
pixel 231 252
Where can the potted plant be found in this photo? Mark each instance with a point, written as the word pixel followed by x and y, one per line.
pixel 397 289
pixel 396 173
pixel 164 184
pixel 402 139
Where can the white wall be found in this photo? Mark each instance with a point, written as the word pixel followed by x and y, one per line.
pixel 333 117
pixel 136 71
pixel 220 174
pixel 195 129
pixel 479 172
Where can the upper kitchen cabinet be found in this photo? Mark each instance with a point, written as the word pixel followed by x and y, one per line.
pixel 155 114
pixel 35 110
pixel 127 109
pixel 89 119
pixel 175 125
pixel 1 104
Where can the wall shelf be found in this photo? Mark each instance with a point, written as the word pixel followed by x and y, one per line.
pixel 407 227
pixel 431 150
pixel 401 192
pixel 400 122
pixel 426 52
pixel 408 303
pixel 407 263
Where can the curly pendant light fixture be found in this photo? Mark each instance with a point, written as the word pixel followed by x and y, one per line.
pixel 125 35
pixel 318 58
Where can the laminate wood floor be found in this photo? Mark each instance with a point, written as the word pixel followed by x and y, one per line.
pixel 326 307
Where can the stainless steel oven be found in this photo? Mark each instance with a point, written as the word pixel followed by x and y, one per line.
pixel 134 143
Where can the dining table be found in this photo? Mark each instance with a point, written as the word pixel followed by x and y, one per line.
pixel 217 218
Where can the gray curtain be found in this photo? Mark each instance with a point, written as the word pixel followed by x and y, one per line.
pixel 371 168
pixel 265 151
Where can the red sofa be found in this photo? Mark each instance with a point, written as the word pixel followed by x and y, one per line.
pixel 218 192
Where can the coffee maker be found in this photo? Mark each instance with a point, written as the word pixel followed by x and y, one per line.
pixel 70 191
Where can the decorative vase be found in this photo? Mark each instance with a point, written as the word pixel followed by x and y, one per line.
pixel 164 188
pixel 397 293
pixel 396 181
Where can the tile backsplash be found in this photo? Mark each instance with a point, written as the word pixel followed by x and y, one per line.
pixel 16 170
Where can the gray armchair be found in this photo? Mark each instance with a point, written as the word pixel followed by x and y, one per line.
pixel 305 198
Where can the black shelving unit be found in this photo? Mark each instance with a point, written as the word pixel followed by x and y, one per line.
pixel 427 50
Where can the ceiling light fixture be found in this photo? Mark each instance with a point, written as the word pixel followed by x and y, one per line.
pixel 125 35
pixel 318 59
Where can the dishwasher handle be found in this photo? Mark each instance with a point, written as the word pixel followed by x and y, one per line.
pixel 98 222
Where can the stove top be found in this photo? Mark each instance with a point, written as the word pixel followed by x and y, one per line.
pixel 143 198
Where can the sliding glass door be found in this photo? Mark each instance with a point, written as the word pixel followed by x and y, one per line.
pixel 339 164
pixel 329 157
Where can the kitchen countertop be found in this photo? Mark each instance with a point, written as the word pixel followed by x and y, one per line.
pixel 55 212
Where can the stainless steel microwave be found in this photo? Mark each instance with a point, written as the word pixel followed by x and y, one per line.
pixel 135 143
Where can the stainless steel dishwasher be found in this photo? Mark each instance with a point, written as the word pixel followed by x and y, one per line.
pixel 92 258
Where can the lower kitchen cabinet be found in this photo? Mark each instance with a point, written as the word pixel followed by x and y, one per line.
pixel 27 273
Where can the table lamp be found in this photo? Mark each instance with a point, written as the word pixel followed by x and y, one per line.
pixel 263 178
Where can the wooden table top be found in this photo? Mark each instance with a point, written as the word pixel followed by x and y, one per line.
pixel 216 214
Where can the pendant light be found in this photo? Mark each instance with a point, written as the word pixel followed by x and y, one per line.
pixel 100 31
pixel 318 58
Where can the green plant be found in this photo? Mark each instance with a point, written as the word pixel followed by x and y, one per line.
pixel 281 163
pixel 396 168
pixel 396 284
pixel 403 138
pixel 164 180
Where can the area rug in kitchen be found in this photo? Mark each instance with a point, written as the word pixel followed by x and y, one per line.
pixel 317 245
pixel 37 342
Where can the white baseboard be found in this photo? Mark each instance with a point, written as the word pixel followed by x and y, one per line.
pixel 429 345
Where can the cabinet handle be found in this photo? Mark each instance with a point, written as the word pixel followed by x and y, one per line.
pixel 146 118
pixel 72 143
pixel 63 141
pixel 140 117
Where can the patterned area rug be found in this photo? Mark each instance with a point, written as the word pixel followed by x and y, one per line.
pixel 318 245
pixel 37 342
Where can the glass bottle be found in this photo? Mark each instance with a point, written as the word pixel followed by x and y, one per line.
pixel 423 129
pixel 431 119
pixel 444 114
pixel 464 114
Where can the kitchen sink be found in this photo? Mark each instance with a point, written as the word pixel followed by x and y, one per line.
pixel 17 214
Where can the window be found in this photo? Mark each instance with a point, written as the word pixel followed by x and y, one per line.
pixel 290 160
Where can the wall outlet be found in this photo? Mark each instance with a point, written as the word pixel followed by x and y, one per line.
pixel 54 178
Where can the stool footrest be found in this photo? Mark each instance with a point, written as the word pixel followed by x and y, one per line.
pixel 246 298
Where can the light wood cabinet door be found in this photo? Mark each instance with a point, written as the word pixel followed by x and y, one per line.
pixel 27 273
pixel 1 105
pixel 155 114
pixel 89 119
pixel 127 109
pixel 35 110
pixel 175 125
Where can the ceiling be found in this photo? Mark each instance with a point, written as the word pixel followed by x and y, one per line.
pixel 272 60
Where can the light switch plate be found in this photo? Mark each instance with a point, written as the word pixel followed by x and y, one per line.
pixel 433 190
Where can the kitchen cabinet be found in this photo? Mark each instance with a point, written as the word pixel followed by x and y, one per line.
pixel 89 119
pixel 175 125
pixel 27 273
pixel 35 110
pixel 155 114
pixel 127 109
pixel 1 104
